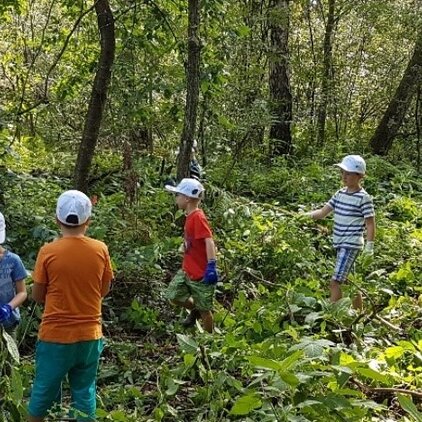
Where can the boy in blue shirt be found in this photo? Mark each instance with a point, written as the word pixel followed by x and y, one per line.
pixel 12 285
pixel 353 211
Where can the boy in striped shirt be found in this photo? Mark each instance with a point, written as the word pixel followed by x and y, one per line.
pixel 353 211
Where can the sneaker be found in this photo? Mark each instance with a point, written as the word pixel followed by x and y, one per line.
pixel 190 320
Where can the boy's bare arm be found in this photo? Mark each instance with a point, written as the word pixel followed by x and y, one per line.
pixel 20 296
pixel 370 229
pixel 320 213
pixel 105 288
pixel 210 248
pixel 38 292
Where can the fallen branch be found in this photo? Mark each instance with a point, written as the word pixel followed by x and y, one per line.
pixel 387 390
pixel 388 324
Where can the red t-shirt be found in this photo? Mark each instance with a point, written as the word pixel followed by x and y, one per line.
pixel 197 230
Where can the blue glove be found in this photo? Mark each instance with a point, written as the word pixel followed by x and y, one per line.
pixel 5 312
pixel 211 273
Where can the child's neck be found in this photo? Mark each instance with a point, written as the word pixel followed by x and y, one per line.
pixel 353 189
pixel 191 208
pixel 76 232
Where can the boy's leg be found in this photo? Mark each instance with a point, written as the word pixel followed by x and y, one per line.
pixel 82 379
pixel 335 291
pixel 345 259
pixel 188 303
pixel 52 362
pixel 203 296
pixel 178 291
pixel 207 321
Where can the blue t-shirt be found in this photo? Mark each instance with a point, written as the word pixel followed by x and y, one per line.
pixel 11 271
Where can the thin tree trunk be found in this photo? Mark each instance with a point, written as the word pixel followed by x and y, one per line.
pixel 279 79
pixel 327 73
pixel 98 95
pixel 192 90
pixel 310 96
pixel 418 123
pixel 393 117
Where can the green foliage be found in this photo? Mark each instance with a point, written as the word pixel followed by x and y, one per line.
pixel 11 383
pixel 281 351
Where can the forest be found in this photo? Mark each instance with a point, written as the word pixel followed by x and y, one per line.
pixel 110 97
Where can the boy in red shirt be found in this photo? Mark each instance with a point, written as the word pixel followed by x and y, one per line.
pixel 193 286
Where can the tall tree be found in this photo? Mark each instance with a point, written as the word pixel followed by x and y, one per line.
pixel 98 99
pixel 393 117
pixel 192 89
pixel 327 76
pixel 279 78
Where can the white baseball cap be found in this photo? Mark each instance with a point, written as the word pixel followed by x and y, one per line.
pixel 353 164
pixel 2 228
pixel 188 187
pixel 73 208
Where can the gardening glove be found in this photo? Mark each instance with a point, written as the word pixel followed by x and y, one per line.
pixel 369 248
pixel 5 312
pixel 211 273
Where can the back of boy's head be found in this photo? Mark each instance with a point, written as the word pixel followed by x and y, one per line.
pixel 2 229
pixel 73 208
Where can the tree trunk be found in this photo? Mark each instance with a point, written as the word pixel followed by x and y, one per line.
pixel 326 73
pixel 279 80
pixel 192 90
pixel 393 117
pixel 98 95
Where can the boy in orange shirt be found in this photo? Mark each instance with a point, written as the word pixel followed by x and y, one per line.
pixel 71 276
pixel 193 286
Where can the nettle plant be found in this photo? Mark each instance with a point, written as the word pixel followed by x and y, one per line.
pixel 12 407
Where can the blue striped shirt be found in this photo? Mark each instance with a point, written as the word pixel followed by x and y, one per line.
pixel 350 212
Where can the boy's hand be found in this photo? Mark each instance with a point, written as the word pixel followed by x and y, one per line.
pixel 5 312
pixel 368 250
pixel 211 273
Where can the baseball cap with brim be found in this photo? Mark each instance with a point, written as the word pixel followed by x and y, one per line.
pixel 2 229
pixel 353 164
pixel 73 208
pixel 188 187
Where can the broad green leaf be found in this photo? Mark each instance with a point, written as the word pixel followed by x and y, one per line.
pixel 173 386
pixel 245 404
pixel 289 378
pixel 189 360
pixel 312 348
pixel 265 363
pixel 11 346
pixel 16 386
pixel 407 404
pixel 187 344
pixel 394 352
pixel 287 363
pixel 374 375
pixel 118 415
pixel 313 316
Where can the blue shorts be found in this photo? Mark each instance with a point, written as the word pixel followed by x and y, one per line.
pixel 345 259
pixel 53 361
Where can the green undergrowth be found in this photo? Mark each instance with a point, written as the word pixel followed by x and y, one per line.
pixel 281 352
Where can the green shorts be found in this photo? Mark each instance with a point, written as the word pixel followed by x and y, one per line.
pixel 182 288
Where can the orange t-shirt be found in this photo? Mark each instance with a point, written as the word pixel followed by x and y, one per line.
pixel 74 269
